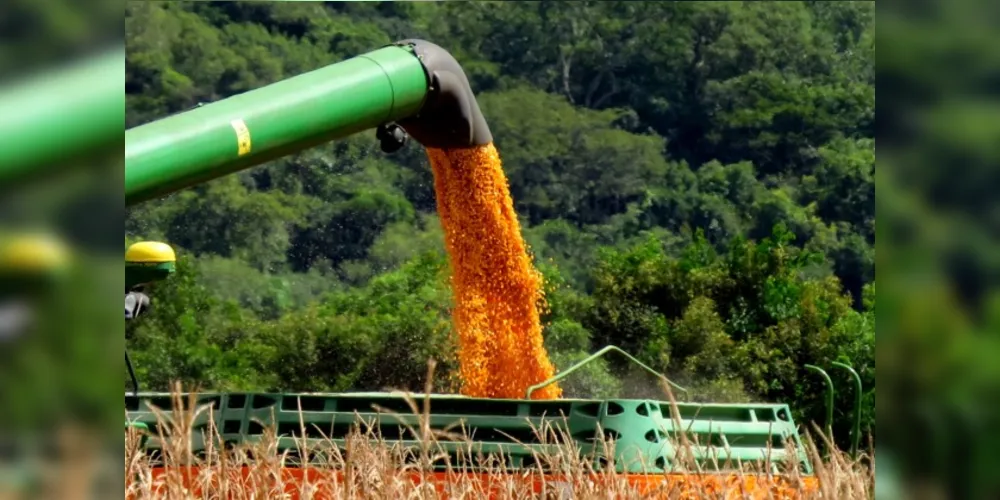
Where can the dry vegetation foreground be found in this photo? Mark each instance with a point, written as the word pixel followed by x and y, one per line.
pixel 375 468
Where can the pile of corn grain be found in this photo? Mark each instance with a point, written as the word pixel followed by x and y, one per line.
pixel 497 290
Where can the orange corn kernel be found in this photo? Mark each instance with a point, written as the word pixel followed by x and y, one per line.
pixel 497 289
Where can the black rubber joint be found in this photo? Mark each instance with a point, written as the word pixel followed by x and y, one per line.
pixel 450 117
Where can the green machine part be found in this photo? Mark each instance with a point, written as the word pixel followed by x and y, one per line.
pixel 720 437
pixel 148 262
pixel 51 118
pixel 648 436
pixel 412 82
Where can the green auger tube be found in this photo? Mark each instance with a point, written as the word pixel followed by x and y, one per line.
pixel 50 119
pixel 412 85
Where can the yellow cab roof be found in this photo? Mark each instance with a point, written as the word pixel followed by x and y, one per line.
pixel 32 253
pixel 145 252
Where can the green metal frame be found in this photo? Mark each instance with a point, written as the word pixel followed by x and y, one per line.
pixel 644 432
pixel 593 357
pixel 828 425
pixel 858 395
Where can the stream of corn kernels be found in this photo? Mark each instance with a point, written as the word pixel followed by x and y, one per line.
pixel 497 290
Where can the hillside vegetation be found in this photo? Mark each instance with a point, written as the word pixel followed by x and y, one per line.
pixel 696 181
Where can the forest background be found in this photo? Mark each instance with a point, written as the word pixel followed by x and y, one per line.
pixel 695 180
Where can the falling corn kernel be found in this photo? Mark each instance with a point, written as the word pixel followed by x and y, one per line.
pixel 497 290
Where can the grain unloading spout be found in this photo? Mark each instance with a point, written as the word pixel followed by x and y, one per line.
pixel 413 85
pixel 450 116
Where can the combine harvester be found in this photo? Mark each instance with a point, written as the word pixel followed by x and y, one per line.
pixel 415 88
